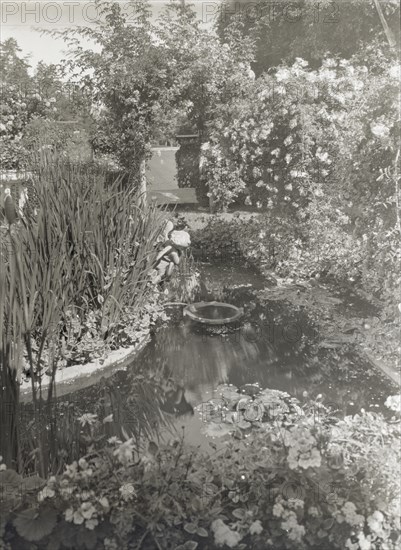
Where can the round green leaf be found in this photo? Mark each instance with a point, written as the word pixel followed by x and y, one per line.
pixel 34 525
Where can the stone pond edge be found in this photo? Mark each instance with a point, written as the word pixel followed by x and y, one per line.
pixel 77 377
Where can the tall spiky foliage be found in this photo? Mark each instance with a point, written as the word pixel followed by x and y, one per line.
pixel 86 245
pixel 10 352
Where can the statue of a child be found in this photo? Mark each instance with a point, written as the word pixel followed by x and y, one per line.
pixel 168 258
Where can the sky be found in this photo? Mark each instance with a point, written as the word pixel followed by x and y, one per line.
pixel 23 21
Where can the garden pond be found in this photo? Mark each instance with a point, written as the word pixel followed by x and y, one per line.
pixel 275 344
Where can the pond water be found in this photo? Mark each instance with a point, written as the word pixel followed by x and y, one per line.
pixel 275 344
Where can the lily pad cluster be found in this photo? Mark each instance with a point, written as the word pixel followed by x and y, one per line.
pixel 236 411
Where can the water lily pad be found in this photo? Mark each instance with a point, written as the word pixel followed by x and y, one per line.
pixel 217 430
pixel 243 403
pixel 250 389
pixel 254 412
pixel 231 397
pixel 244 424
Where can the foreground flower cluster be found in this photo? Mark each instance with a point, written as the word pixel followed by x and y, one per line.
pixel 290 475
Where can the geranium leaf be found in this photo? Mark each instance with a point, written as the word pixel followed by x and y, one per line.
pixel 190 528
pixel 34 525
pixel 10 478
pixel 32 483
pixel 239 513
pixel 87 538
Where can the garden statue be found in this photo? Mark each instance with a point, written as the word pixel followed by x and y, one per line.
pixel 175 242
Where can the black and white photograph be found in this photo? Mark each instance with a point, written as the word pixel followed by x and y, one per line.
pixel 200 275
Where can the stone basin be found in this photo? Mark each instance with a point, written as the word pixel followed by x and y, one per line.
pixel 213 313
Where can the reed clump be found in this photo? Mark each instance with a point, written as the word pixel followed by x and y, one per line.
pixel 82 246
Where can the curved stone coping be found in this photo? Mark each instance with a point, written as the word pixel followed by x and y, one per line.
pixel 77 377
pixel 192 312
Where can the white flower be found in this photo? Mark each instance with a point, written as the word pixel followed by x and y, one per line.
pixel 358 84
pixel 87 419
pixel 291 525
pixel 282 74
pixel 288 187
pixel 91 523
pixel 395 71
pixel 278 510
pixel 350 515
pixel 301 62
pixel 298 174
pixel 83 464
pixel 256 528
pixel 104 502
pixel 69 514
pixel 288 140
pixel 127 491
pixel 108 418
pixel 281 90
pixel 328 75
pixel 322 156
pixel 379 130
pixel 375 523
pixel 393 402
pixel 351 545
pixel 124 451
pixel 364 543
pixel 78 518
pixel 87 510
pixel 224 535
pixel 45 493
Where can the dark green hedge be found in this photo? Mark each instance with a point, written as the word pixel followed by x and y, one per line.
pixel 188 174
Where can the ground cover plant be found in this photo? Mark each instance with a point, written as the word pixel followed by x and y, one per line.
pixel 294 476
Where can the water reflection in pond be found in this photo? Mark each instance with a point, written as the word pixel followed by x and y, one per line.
pixel 275 345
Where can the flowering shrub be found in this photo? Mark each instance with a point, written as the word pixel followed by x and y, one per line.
pixel 294 476
pixel 316 152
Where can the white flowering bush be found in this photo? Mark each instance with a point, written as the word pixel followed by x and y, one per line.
pixel 316 152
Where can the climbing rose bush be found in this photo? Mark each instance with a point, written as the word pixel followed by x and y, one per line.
pixel 316 152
